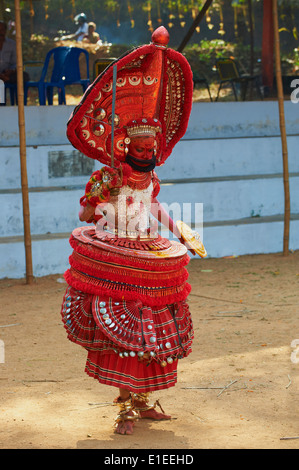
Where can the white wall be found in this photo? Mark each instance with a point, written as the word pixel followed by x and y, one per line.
pixel 230 160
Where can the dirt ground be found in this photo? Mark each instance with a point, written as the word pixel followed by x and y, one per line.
pixel 237 390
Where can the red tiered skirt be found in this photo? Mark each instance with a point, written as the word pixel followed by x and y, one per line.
pixel 127 307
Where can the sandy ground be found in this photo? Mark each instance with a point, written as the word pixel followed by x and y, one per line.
pixel 245 313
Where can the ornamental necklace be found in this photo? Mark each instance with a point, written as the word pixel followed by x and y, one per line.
pixel 139 180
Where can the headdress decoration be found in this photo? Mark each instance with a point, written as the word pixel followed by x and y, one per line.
pixel 153 96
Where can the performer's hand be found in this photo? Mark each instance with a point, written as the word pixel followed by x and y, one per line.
pixel 187 246
pixel 86 213
pixel 160 213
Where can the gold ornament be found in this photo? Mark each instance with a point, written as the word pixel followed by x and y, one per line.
pixel 192 238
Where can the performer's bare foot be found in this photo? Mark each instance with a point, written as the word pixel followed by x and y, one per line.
pixel 153 414
pixel 126 418
pixel 147 411
pixel 125 426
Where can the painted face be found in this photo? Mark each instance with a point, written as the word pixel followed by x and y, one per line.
pixel 142 147
pixel 141 155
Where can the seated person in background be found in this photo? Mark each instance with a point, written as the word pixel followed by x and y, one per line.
pixel 92 37
pixel 8 59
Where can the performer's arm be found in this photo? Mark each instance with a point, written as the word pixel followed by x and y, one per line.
pixel 86 212
pixel 163 217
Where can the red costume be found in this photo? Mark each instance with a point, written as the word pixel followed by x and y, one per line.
pixel 126 300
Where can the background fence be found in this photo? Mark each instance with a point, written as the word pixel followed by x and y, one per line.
pixel 230 160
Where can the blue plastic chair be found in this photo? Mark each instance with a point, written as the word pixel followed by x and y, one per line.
pixel 12 87
pixel 13 92
pixel 70 75
pixel 66 71
pixel 59 55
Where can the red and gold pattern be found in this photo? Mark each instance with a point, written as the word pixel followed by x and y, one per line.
pixel 105 182
pixel 100 185
pixel 140 181
pixel 128 325
pixel 156 277
pixel 154 84
pixel 119 335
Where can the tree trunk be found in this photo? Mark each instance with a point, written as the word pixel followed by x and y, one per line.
pixel 22 140
pixel 282 132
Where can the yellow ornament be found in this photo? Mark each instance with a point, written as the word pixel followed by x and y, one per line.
pixel 192 238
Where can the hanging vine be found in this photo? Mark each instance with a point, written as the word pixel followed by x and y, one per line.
pixel 46 9
pixel 73 14
pixel 159 19
pixel 173 14
pixel 221 24
pixel 130 10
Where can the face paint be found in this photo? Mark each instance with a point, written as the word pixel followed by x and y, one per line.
pixel 141 156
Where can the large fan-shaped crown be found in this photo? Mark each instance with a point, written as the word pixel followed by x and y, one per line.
pixel 153 83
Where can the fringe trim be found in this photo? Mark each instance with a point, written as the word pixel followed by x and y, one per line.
pixel 163 264
pixel 121 275
pixel 126 294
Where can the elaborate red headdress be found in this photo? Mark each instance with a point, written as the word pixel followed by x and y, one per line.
pixel 153 95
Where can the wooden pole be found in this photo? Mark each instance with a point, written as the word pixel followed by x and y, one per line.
pixel 195 23
pixel 282 131
pixel 22 141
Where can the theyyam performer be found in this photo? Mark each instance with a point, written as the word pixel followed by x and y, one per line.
pixel 127 285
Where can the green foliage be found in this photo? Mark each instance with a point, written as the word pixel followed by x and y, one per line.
pixel 201 55
pixel 36 47
pixel 202 58
pixel 290 63
pixel 111 5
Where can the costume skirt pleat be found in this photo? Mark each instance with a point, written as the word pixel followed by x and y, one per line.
pixel 130 373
